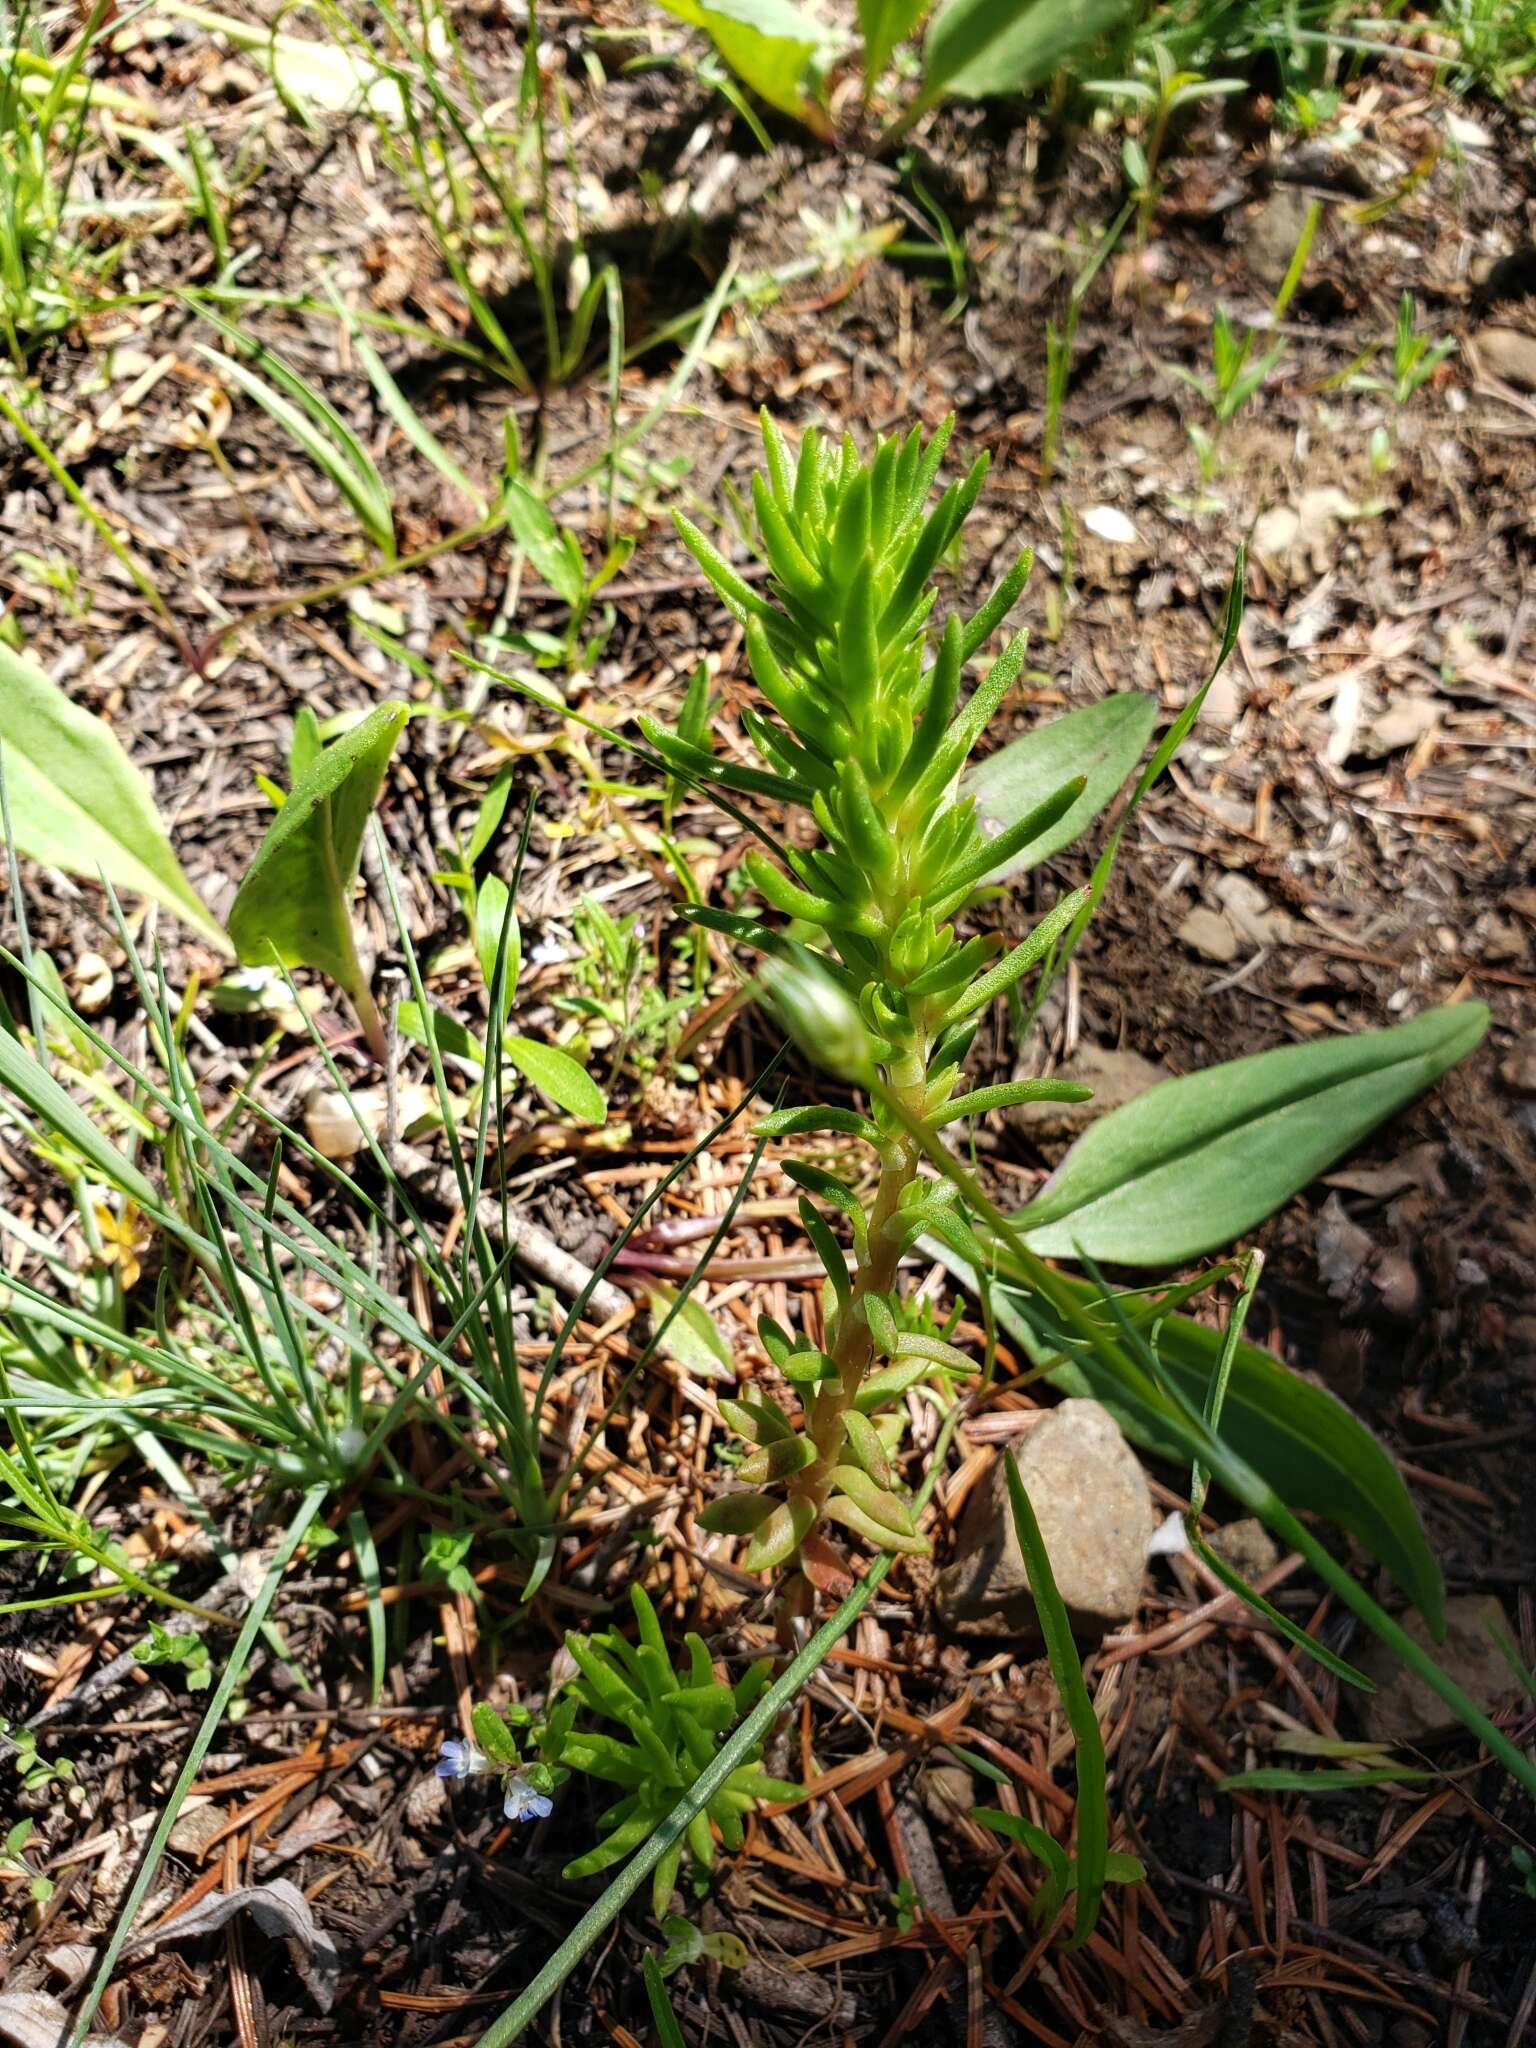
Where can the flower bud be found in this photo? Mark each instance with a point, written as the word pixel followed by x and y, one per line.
pixel 819 1016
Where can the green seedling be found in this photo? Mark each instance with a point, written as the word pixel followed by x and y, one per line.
pixel 178 1649
pixel 689 1944
pixel 1415 358
pixel 616 993
pixel 1236 373
pixel 16 1868
pixel 1160 97
pixel 294 906
pixel 672 1722
pixel 560 561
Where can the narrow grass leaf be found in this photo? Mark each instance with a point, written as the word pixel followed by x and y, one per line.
pixel 233 1672
pixel 1066 1668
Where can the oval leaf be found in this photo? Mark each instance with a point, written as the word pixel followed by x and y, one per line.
pixel 76 800
pixel 1190 1164
pixel 693 1337
pixel 1102 742
pixel 555 1074
pixel 979 48
pixel 293 902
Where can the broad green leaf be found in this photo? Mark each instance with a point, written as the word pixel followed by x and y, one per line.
pixel 978 48
pixel 294 902
pixel 493 915
pixel 76 800
pixel 771 45
pixel 1302 1442
pixel 1102 742
pixel 1192 1163
pixel 450 1036
pixel 883 24
pixel 694 1338
pixel 558 1076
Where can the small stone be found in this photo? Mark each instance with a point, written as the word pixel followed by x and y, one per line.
pixel 196 1825
pixel 1250 911
pixel 1517 1069
pixel 1343 1249
pixel 1111 524
pixel 948 1792
pixel 1407 1924
pixel 1248 1547
pixel 1402 725
pixel 1094 1507
pixel 1509 354
pixel 1273 233
pixel 1403 1709
pixel 1208 933
pixel 1396 1280
pixel 1114 1076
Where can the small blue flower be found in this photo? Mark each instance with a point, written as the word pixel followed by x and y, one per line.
pixel 521 1801
pixel 461 1760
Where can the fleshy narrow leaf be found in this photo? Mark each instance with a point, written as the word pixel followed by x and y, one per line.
pixel 76 800
pixel 1102 742
pixel 493 1734
pixel 1192 1163
pixel 776 1541
pixel 736 1514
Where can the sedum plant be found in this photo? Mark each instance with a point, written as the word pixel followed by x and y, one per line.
pixel 673 1721
pixel 866 735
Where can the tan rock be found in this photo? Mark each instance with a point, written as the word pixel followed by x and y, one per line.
pixel 1094 1507
pixel 1509 354
pixel 1209 934
pixel 1404 1708
pixel 1115 1078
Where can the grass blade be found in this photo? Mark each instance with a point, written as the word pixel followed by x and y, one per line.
pixel 1066 1667
pixel 202 1742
